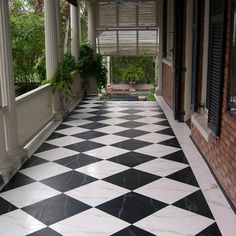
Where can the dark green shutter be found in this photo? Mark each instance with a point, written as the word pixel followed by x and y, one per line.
pixel 197 10
pixel 178 56
pixel 216 64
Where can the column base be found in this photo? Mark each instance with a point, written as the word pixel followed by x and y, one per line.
pixel 10 166
pixel 92 87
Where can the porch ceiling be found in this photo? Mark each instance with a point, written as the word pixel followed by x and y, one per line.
pixel 127 27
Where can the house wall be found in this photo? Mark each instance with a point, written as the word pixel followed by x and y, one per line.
pixel 220 152
pixel 167 83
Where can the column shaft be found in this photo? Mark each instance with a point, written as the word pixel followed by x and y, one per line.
pixel 7 82
pixel 51 34
pixel 92 24
pixel 59 36
pixel 108 70
pixel 74 32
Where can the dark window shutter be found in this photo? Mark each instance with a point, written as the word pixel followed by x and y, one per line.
pixel 216 64
pixel 196 51
pixel 178 56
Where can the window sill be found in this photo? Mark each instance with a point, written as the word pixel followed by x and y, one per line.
pixel 200 122
pixel 167 61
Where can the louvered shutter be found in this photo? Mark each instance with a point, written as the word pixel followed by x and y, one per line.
pixel 178 56
pixel 196 52
pixel 216 64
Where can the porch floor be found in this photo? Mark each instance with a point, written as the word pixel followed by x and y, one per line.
pixel 113 168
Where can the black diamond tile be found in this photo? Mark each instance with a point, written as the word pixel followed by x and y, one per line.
pixel 18 180
pixel 132 133
pixel 131 179
pixel 131 111
pixel 69 118
pixel 94 125
pixel 69 180
pixel 132 231
pixel 196 203
pixel 97 118
pixel 211 230
pixel 131 144
pixel 167 131
pixel 84 146
pixel 55 209
pixel 77 161
pixel 89 134
pixel 186 176
pixel 164 123
pixel 177 156
pixel 62 126
pixel 131 124
pixel 100 112
pixel 132 159
pixel 160 116
pixel 45 232
pixel 171 142
pixel 131 207
pixel 131 117
pixel 55 135
pixel 6 206
pixel 45 147
pixel 33 161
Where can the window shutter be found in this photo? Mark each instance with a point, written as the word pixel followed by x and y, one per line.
pixel 196 51
pixel 216 64
pixel 178 56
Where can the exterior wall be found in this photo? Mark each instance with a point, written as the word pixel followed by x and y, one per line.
pixel 167 83
pixel 220 152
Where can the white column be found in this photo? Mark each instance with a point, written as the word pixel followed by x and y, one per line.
pixel 59 36
pixel 51 42
pixel 108 71
pixel 74 32
pixel 7 82
pixel 3 151
pixel 79 22
pixel 51 45
pixel 92 24
pixel 160 53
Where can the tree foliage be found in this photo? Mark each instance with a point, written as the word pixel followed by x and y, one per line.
pixel 141 65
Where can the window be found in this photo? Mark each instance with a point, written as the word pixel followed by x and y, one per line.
pixel 168 29
pixel 232 97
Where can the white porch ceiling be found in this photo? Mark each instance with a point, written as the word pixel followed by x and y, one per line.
pixel 127 27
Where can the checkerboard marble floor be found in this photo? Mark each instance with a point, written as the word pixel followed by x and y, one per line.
pixel 113 168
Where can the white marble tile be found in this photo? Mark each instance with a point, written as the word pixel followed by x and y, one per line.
pixel 29 194
pixel 116 114
pixel 221 210
pixel 173 221
pixel 111 129
pixel 157 150
pixel 149 113
pixel 18 223
pixel 102 169
pixel 83 115
pixel 151 127
pixel 71 131
pixel 97 193
pixel 85 110
pixel 166 190
pixel 106 152
pixel 89 105
pixel 56 153
pixel 117 109
pixel 92 222
pixel 150 120
pixel 154 137
pixel 109 139
pixel 64 141
pixel 44 171
pixel 113 121
pixel 78 122
pixel 161 167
